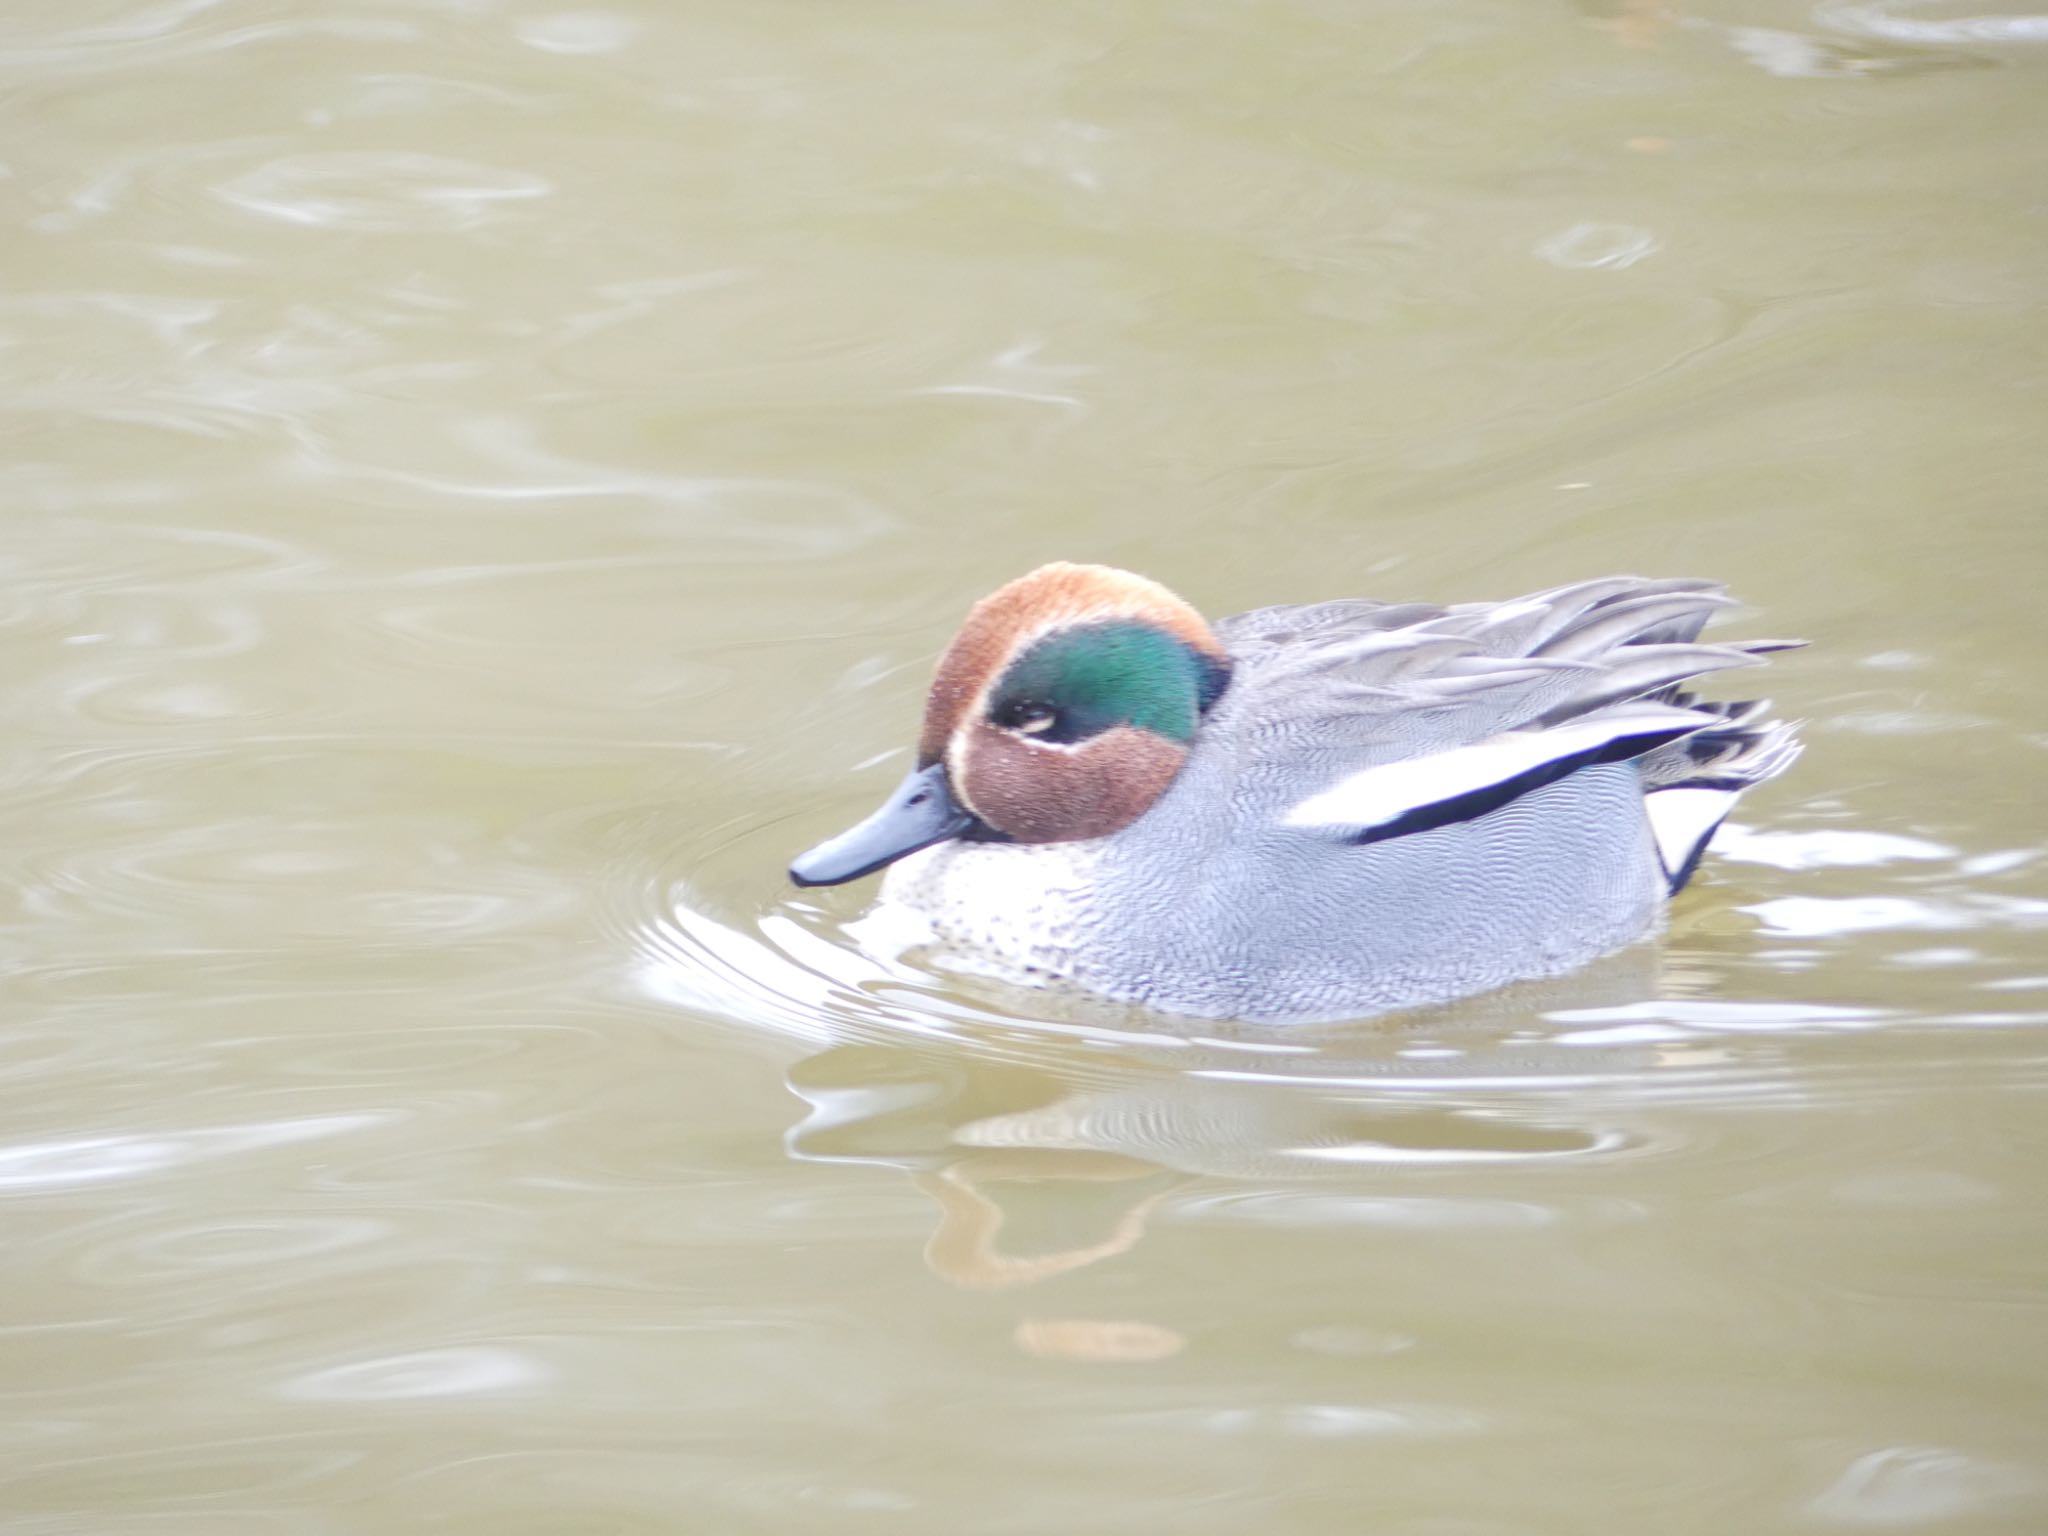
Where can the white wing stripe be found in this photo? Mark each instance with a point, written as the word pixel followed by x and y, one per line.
pixel 1375 796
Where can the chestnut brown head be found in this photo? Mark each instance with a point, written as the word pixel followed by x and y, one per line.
pixel 1061 711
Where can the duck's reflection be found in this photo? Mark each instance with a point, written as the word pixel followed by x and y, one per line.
pixel 1005 1155
pixel 1040 1169
pixel 1019 1199
pixel 1634 23
pixel 969 1192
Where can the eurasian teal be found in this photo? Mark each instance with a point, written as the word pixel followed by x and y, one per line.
pixel 1316 811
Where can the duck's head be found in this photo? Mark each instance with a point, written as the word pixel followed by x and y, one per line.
pixel 1062 710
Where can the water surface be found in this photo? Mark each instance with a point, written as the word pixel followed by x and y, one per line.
pixel 486 483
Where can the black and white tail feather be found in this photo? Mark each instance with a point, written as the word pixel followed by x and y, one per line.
pixel 1690 786
pixel 1455 711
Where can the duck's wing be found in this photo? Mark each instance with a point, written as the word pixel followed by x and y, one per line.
pixel 1364 721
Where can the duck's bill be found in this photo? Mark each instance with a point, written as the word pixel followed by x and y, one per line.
pixel 922 811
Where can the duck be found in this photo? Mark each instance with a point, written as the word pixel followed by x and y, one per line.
pixel 1314 811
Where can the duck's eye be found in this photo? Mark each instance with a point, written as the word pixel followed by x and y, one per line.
pixel 1027 717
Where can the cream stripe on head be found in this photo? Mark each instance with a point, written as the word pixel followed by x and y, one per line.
pixel 1012 617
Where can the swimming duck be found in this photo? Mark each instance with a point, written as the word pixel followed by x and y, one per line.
pixel 1315 811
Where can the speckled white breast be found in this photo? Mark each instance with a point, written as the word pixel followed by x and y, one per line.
pixel 1022 912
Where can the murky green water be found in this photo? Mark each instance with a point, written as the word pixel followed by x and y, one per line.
pixel 484 484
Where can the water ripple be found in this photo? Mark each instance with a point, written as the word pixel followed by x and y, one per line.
pixel 384 192
pixel 467 1371
pixel 37 1166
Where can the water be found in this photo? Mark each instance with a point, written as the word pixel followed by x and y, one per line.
pixel 485 483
